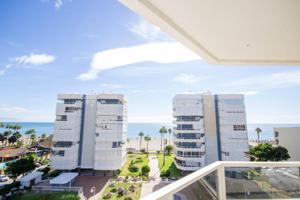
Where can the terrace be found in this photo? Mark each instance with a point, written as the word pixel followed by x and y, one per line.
pixel 236 180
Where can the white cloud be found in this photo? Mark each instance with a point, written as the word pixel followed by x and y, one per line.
pixel 148 32
pixel 9 109
pixel 34 59
pixel 277 80
pixel 161 52
pixel 187 78
pixel 58 3
pixel 28 60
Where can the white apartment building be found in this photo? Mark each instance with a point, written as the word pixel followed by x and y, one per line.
pixel 209 128
pixel 90 132
pixel 289 137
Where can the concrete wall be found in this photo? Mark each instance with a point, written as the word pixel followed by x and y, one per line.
pixel 290 139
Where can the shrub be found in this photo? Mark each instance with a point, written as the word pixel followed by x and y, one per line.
pixel 168 149
pixel 121 191
pixel 165 173
pixel 158 151
pixel 145 170
pixel 129 152
pixel 143 150
pixel 107 195
pixel 133 168
pixel 127 198
pixel 114 190
pixel 6 189
pixel 53 173
pixel 132 188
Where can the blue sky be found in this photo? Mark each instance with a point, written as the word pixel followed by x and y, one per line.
pixel 49 47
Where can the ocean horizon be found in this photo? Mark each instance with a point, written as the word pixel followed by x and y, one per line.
pixel 151 129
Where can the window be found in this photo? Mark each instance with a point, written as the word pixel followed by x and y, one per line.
pixel 225 153
pixel 109 101
pixel 116 144
pixel 239 127
pixel 276 133
pixel 71 109
pixel 63 144
pixel 70 101
pixel 59 153
pixel 61 117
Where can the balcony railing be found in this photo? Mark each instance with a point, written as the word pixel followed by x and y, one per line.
pixel 236 180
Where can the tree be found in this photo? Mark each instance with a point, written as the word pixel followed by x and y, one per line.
pixel 169 131
pixel 20 166
pixel 141 134
pixel 1 125
pixel 32 138
pixel 147 139
pixel 2 138
pixel 145 170
pixel 267 152
pixel 12 139
pixel 28 133
pixel 258 131
pixel 6 135
pixel 162 131
pixel 168 149
pixel 43 136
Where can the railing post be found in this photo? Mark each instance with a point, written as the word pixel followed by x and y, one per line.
pixel 221 183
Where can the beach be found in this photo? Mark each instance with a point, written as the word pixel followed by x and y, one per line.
pixel 154 144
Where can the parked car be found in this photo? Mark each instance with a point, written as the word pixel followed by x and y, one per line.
pixel 3 178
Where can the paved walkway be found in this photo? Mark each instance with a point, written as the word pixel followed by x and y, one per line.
pixel 155 181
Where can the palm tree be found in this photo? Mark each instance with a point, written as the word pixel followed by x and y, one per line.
pixel 141 134
pixel 32 138
pixel 6 135
pixel 1 125
pixel 28 133
pixel 162 131
pixel 169 131
pixel 258 131
pixel 147 139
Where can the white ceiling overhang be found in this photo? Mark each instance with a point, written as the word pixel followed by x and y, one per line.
pixel 229 31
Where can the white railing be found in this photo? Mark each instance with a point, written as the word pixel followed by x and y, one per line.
pixel 79 190
pixel 167 192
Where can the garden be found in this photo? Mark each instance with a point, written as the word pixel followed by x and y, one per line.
pixel 169 169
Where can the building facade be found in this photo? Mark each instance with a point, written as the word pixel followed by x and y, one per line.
pixel 209 128
pixel 90 132
pixel 289 137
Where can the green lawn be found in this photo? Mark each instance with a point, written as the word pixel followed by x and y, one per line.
pixel 134 195
pixel 169 164
pixel 138 159
pixel 47 196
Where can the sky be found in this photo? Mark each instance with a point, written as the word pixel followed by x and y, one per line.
pixel 56 46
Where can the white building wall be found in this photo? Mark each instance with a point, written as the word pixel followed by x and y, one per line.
pixel 67 129
pixel 289 137
pixel 231 113
pixel 104 125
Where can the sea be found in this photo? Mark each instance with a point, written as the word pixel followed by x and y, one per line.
pixel 151 129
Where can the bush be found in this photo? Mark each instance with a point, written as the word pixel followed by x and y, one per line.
pixel 133 168
pixel 129 152
pixel 53 173
pixel 6 189
pixel 132 188
pixel 158 151
pixel 107 195
pixel 145 170
pixel 121 191
pixel 143 150
pixel 114 190
pixel 165 173
pixel 127 198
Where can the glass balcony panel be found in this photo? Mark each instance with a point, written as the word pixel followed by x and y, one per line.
pixel 262 183
pixel 203 189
